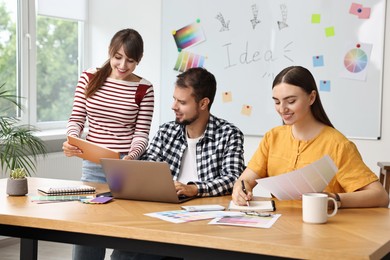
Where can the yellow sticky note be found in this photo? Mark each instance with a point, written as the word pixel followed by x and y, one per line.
pixel 315 18
pixel 227 97
pixel 329 31
pixel 246 110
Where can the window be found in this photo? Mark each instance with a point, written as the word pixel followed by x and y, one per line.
pixel 8 51
pixel 41 50
pixel 57 67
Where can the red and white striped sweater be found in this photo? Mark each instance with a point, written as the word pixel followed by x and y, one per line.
pixel 115 120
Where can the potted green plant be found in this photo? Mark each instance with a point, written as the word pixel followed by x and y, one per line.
pixel 17 182
pixel 19 147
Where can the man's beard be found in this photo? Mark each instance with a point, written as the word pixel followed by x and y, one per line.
pixel 187 121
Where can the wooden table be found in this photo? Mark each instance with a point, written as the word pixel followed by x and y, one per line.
pixel 351 234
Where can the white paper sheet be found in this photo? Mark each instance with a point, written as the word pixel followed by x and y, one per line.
pixel 311 178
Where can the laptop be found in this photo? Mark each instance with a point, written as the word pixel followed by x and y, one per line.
pixel 141 180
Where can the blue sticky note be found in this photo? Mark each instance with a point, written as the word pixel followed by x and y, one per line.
pixel 325 85
pixel 318 61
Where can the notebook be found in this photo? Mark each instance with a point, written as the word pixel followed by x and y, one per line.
pixel 255 205
pixel 141 180
pixel 92 152
pixel 66 190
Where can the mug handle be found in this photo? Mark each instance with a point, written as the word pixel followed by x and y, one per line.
pixel 335 207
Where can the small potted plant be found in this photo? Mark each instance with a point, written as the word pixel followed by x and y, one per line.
pixel 19 146
pixel 17 182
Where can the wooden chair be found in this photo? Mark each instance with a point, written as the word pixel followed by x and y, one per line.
pixel 384 175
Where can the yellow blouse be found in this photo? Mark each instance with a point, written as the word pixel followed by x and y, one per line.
pixel 280 153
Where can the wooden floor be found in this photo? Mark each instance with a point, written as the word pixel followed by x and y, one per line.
pixel 9 250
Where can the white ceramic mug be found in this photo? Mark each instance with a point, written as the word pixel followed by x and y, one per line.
pixel 315 208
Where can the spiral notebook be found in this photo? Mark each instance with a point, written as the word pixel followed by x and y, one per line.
pixel 79 189
pixel 254 205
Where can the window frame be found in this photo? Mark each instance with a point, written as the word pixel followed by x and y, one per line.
pixel 26 64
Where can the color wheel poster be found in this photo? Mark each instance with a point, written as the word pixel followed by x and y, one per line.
pixel 356 61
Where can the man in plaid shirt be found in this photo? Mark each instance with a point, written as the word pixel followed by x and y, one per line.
pixel 205 153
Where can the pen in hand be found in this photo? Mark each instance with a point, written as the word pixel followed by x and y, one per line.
pixel 244 190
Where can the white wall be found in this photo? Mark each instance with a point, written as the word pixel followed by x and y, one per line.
pixel 107 17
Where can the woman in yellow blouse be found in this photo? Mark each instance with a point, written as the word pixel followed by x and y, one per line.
pixel 307 135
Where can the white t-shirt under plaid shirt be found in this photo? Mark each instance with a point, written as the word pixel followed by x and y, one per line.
pixel 219 154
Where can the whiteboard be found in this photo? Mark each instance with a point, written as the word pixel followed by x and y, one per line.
pixel 246 43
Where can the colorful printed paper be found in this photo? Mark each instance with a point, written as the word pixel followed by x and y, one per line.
pixel 59 198
pixel 356 61
pixel 182 216
pixel 247 221
pixel 97 200
pixel 186 60
pixel 188 36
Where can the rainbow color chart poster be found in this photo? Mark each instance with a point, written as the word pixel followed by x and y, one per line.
pixel 355 61
pixel 186 60
pixel 189 35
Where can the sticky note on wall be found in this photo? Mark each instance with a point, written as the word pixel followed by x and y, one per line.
pixel 227 97
pixel 315 18
pixel 329 31
pixel 360 11
pixel 318 61
pixel 325 85
pixel 246 110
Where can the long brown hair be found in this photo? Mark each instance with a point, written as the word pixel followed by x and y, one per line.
pixel 133 47
pixel 302 77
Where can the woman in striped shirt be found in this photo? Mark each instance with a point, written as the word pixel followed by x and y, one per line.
pixel 117 104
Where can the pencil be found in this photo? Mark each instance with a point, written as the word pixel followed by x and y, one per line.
pixel 244 190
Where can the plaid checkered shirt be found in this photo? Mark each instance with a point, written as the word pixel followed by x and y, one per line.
pixel 219 154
